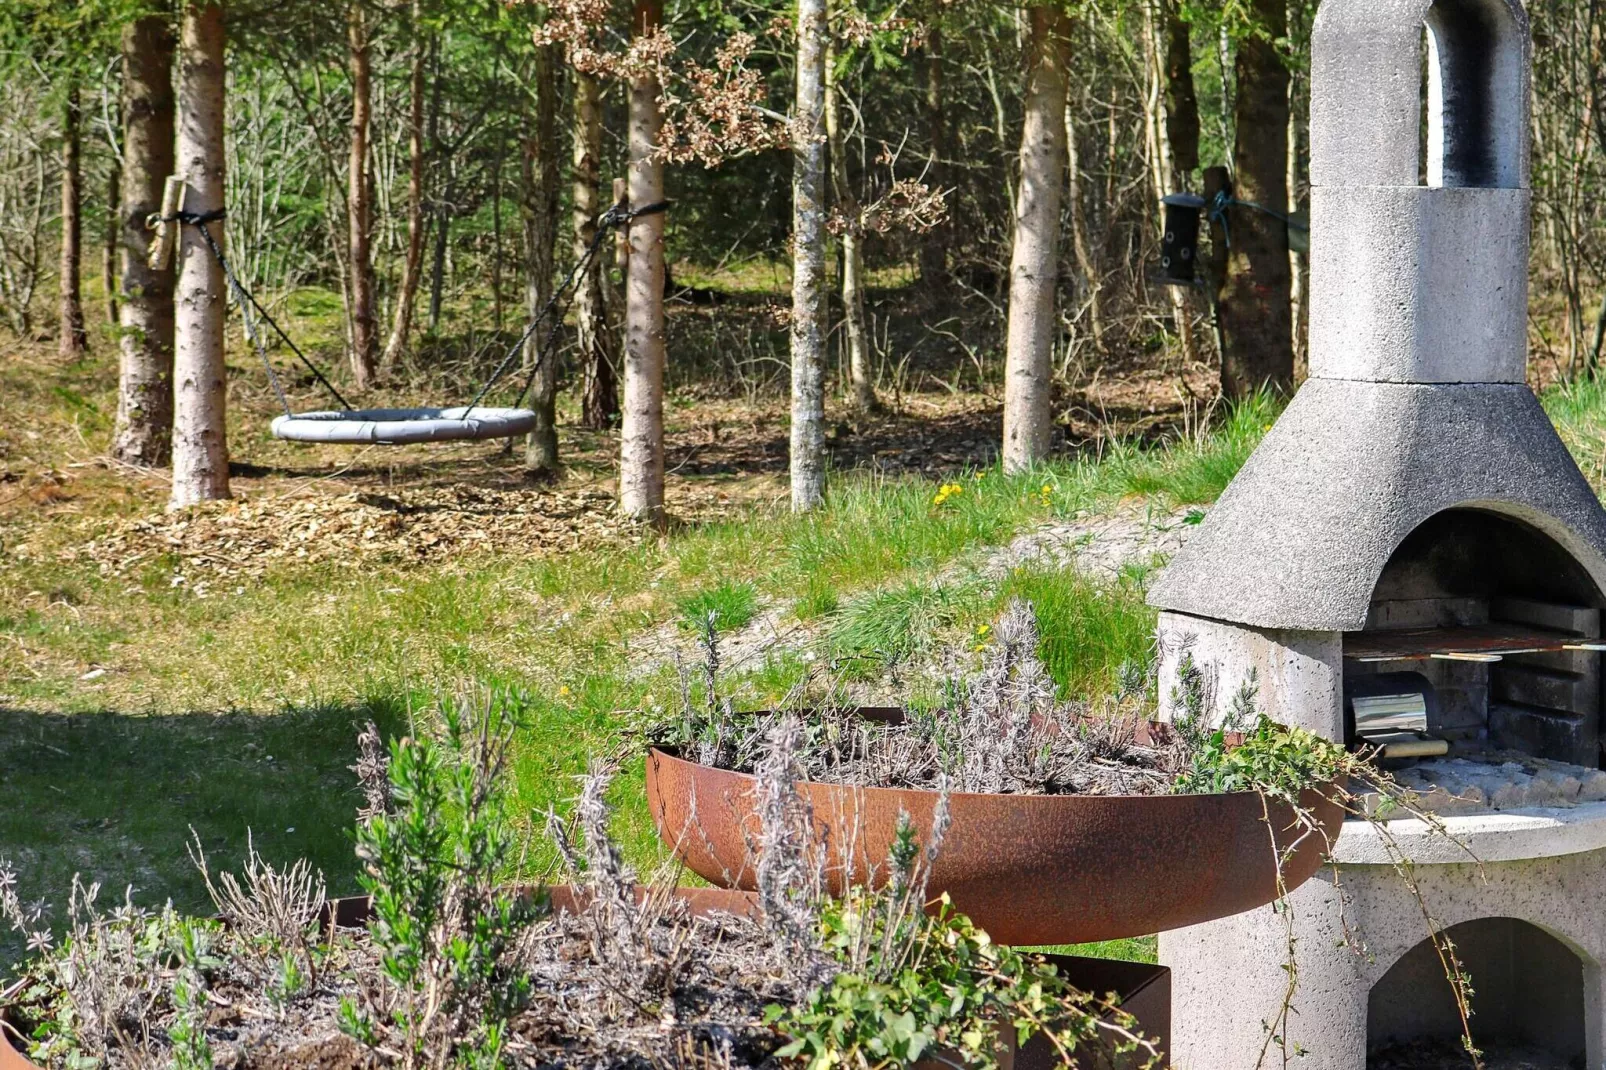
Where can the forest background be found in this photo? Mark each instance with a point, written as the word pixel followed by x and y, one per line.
pixel 406 183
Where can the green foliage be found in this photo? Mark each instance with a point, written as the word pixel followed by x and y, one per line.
pixel 1093 636
pixel 889 626
pixel 726 607
pixel 433 864
pixel 1273 758
pixel 191 1050
pixel 951 988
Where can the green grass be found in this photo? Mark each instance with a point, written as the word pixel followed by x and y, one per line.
pixel 106 774
pixel 727 606
pixel 113 797
pixel 1132 949
pixel 201 690
pixel 1089 631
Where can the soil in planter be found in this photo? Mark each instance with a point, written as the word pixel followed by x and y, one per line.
pixel 1005 733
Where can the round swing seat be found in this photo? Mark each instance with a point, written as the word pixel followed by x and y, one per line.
pixel 395 427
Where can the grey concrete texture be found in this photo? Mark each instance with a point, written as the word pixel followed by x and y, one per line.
pixel 1297 677
pixel 1299 538
pixel 1419 285
pixel 1562 896
pixel 1366 95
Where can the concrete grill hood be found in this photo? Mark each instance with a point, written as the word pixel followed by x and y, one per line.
pixel 1416 401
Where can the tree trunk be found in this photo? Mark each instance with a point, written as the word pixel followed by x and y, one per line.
pixel 808 260
pixel 108 247
pixel 1081 243
pixel 1256 321
pixel 407 299
pixel 641 462
pixel 1164 172
pixel 1032 271
pixel 444 169
pixel 200 449
pixel 542 173
pixel 934 243
pixel 359 205
pixel 599 398
pixel 74 339
pixel 145 340
pixel 1181 102
pixel 861 391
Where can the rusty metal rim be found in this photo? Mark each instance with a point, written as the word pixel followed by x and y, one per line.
pixel 1030 869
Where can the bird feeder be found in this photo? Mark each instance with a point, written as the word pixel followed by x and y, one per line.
pixel 1179 245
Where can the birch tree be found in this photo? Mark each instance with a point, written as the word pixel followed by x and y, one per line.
pixel 72 338
pixel 641 461
pixel 808 260
pixel 413 260
pixel 200 451
pixel 1034 261
pixel 861 391
pixel 599 397
pixel 143 434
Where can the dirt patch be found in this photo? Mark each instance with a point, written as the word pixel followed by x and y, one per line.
pixel 1101 546
pixel 244 538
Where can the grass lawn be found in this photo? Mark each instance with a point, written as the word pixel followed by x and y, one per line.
pixel 134 707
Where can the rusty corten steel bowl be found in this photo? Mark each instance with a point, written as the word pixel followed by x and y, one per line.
pixel 1029 869
pixel 9 1059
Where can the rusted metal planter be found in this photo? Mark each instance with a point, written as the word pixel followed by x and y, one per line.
pixel 1030 869
pixel 1140 989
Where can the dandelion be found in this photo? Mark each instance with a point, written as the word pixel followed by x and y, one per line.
pixel 564 690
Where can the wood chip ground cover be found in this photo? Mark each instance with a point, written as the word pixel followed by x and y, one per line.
pixel 246 538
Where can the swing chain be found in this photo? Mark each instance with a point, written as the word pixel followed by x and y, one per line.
pixel 247 301
pixel 620 214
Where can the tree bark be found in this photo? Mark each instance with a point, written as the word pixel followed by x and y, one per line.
pixel 861 391
pixel 542 173
pixel 1164 172
pixel 200 448
pixel 1255 302
pixel 599 398
pixel 143 434
pixel 1081 244
pixel 1181 101
pixel 808 260
pixel 108 248
pixel 359 205
pixel 444 169
pixel 1034 263
pixel 641 462
pixel 934 243
pixel 407 298
pixel 73 338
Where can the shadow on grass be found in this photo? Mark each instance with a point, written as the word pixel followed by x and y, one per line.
pixel 113 796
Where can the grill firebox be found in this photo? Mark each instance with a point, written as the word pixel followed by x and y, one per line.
pixel 1412 559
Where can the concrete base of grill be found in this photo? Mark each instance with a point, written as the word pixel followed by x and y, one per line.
pixel 1532 932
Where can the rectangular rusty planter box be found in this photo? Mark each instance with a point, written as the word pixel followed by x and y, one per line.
pixel 1145 993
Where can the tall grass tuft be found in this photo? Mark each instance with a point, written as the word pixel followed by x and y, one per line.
pixel 1091 634
pixel 727 606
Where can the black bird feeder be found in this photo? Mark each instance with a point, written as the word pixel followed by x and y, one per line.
pixel 1179 245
